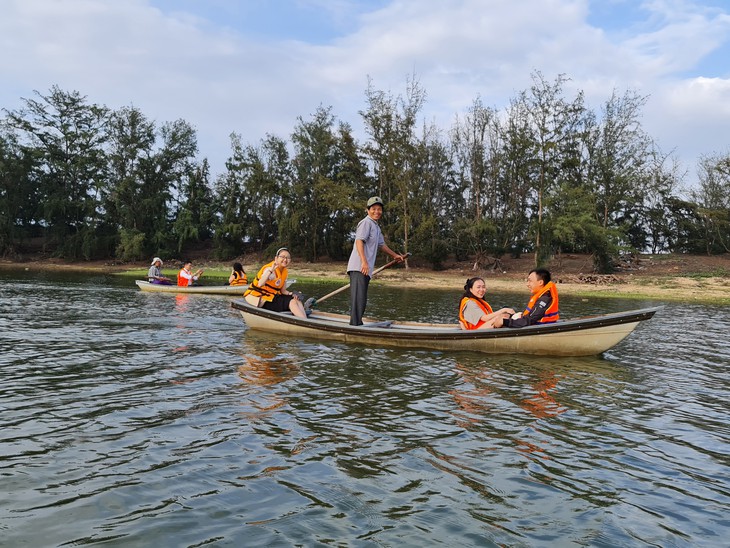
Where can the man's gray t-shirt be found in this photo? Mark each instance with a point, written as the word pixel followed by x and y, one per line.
pixel 369 232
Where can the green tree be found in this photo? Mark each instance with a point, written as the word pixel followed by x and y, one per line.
pixel 472 143
pixel 713 199
pixel 148 168
pixel 195 214
pixel 315 166
pixel 573 227
pixel 171 164
pixel 251 193
pixel 515 172
pixel 552 120
pixel 18 193
pixel 686 226
pixel 131 151
pixel 391 124
pixel 438 202
pixel 345 198
pixel 230 231
pixel 621 161
pixel 68 135
pixel 647 224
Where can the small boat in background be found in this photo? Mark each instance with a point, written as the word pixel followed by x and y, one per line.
pixel 579 337
pixel 236 290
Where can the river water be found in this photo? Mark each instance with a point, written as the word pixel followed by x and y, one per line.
pixel 132 419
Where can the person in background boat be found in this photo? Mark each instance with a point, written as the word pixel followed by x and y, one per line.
pixel 368 240
pixel 474 311
pixel 543 304
pixel 238 276
pixel 154 274
pixel 186 277
pixel 268 288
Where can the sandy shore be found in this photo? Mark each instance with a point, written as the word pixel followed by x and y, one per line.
pixel 658 281
pixel 667 288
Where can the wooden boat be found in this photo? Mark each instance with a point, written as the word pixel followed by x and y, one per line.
pixel 235 290
pixel 579 337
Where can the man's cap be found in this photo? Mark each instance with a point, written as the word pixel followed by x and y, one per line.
pixel 375 200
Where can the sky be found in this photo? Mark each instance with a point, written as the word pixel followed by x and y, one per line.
pixel 254 67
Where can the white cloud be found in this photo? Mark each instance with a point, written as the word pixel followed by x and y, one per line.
pixel 222 79
pixel 692 117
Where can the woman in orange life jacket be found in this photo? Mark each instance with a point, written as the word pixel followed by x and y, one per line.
pixel 474 311
pixel 543 305
pixel 238 276
pixel 268 288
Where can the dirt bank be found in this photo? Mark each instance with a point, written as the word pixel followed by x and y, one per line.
pixel 670 277
pixel 688 278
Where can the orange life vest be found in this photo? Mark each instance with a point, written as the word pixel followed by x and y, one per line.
pixel 183 281
pixel 271 287
pixel 484 305
pixel 552 313
pixel 239 278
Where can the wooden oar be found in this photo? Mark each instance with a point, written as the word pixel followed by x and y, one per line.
pixel 311 301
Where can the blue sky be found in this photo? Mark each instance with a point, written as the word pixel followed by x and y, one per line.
pixel 254 66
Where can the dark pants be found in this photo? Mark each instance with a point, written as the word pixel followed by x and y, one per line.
pixel 279 304
pixel 358 296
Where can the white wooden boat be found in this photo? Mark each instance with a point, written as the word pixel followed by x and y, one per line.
pixel 579 337
pixel 234 290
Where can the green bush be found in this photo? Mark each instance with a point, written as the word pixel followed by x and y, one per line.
pixel 131 245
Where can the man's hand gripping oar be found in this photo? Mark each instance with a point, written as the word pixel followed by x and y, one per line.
pixel 312 301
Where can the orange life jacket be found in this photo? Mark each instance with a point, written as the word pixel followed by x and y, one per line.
pixel 239 278
pixel 484 305
pixel 182 281
pixel 552 313
pixel 271 287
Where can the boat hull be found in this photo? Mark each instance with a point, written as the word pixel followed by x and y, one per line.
pixel 580 337
pixel 235 290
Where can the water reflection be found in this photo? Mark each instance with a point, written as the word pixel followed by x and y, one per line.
pixel 263 365
pixel 538 397
pixel 138 419
pixel 541 403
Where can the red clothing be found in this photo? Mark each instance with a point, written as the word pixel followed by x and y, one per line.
pixel 185 278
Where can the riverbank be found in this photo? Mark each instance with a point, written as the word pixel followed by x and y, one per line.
pixel 678 278
pixel 674 279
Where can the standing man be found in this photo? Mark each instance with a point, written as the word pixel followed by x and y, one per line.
pixel 368 240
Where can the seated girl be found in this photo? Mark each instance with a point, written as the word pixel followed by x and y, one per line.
pixel 474 311
pixel 268 288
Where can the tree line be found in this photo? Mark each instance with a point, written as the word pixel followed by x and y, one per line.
pixel 544 175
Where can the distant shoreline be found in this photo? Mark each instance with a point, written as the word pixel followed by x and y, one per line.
pixel 651 283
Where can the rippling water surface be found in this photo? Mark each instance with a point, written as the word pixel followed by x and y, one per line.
pixel 138 419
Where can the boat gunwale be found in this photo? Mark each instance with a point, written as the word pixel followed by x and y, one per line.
pixel 231 291
pixel 224 290
pixel 428 331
